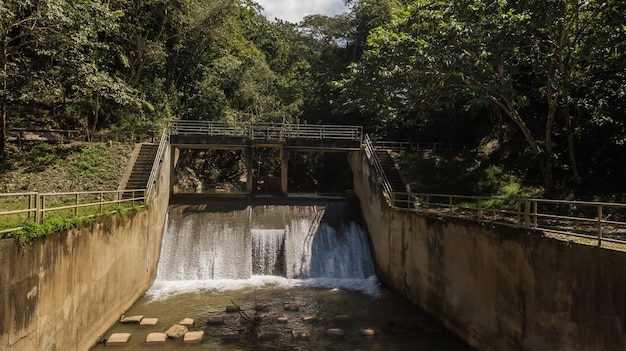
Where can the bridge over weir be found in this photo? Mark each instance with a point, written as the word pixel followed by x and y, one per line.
pixel 287 137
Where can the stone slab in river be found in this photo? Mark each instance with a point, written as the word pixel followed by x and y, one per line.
pixel 118 339
pixel 156 338
pixel 193 337
pixel 131 319
pixel 149 322
pixel 186 322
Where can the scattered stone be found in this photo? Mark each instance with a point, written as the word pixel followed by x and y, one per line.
pixel 131 319
pixel 176 331
pixel 335 333
pixel 292 307
pixel 229 335
pixel 193 337
pixel 367 332
pixel 342 319
pixel 309 319
pixel 262 308
pixel 148 322
pixel 215 320
pixel 282 319
pixel 300 334
pixel 118 339
pixel 156 338
pixel 187 322
pixel 266 336
pixel 232 309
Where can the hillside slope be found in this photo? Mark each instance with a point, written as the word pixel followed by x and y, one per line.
pixel 77 166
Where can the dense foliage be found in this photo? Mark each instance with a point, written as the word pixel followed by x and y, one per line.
pixel 540 83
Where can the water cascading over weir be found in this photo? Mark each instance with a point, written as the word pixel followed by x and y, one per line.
pixel 240 237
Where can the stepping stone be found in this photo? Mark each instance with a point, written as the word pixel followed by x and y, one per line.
pixel 309 319
pixel 334 333
pixel 156 338
pixel 262 308
pixel 300 334
pixel 342 319
pixel 131 319
pixel 187 322
pixel 176 331
pixel 215 320
pixel 367 332
pixel 282 319
pixel 193 337
pixel 292 307
pixel 267 336
pixel 118 339
pixel 229 335
pixel 232 309
pixel 148 322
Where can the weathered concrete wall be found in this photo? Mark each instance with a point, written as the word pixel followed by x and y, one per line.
pixel 497 288
pixel 65 290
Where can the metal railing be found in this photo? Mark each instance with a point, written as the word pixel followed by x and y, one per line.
pixel 370 151
pixel 599 221
pixel 165 137
pixel 267 131
pixel 36 206
pixel 415 146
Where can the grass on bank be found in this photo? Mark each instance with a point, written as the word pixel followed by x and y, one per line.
pixel 73 167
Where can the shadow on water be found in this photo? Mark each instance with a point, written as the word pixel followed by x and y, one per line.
pixel 263 253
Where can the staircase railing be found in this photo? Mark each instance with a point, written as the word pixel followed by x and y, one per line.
pixel 165 137
pixel 370 151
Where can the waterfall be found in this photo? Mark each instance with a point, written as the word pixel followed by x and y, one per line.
pixel 326 239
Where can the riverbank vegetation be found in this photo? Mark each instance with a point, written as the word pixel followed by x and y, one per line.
pixel 535 89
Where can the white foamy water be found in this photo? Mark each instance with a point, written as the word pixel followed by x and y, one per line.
pixel 161 290
pixel 315 246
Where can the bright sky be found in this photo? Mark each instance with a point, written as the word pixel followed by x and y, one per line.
pixel 295 10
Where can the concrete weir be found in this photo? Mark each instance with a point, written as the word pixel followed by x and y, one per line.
pixel 497 288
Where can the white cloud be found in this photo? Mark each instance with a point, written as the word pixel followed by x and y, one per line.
pixel 295 10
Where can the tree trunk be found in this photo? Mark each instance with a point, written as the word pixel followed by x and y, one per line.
pixel 3 131
pixel 570 142
pixel 3 103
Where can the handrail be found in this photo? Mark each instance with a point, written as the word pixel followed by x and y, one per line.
pixel 380 172
pixel 418 146
pixel 157 160
pixel 267 130
pixel 604 221
pixel 36 210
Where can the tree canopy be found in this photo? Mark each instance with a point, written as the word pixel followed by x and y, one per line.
pixel 547 79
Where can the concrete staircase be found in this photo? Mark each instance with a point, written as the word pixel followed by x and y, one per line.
pixel 391 171
pixel 142 167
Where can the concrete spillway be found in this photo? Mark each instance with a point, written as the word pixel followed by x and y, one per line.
pixel 236 238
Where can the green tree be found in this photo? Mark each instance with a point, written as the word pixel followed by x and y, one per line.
pixel 520 58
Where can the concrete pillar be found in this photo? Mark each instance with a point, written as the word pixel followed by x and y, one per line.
pixel 249 168
pixel 174 154
pixel 284 165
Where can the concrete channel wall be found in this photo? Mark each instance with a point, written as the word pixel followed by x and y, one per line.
pixel 497 288
pixel 65 290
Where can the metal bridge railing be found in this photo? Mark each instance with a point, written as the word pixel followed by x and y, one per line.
pixel 16 207
pixel 267 131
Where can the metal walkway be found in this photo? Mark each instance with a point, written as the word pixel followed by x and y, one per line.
pixel 213 134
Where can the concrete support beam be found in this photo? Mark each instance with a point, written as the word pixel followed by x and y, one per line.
pixel 249 168
pixel 284 168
